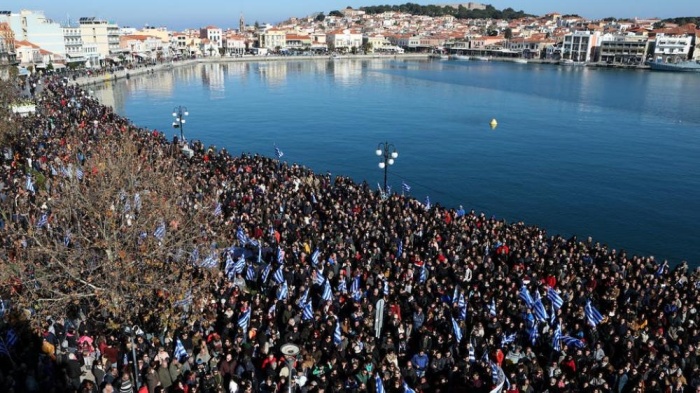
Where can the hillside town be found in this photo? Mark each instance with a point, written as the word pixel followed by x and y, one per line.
pixel 32 40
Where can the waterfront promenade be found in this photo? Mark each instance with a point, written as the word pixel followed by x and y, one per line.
pixel 468 301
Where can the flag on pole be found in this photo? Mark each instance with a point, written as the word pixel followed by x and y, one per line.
pixel 217 209
pixel 526 297
pixel 555 298
pixel 593 315
pixel 43 220
pixel 280 255
pixel 423 275
pixel 244 320
pixel 337 336
pixel 492 308
pixel 180 351
pixel 278 276
pixel 406 388
pixel 266 273
pixel 278 152
pixel 570 341
pixel 427 203
pixel 505 340
pixel 327 291
pixel 405 187
pixel 30 184
pixel 457 331
pixel 556 338
pixel 378 383
pixel 282 291
pixel 160 231
pixel 307 311
pixel 315 256
pixel 540 311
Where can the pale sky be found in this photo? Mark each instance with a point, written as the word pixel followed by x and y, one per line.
pixel 176 14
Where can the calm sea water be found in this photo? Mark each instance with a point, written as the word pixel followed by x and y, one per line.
pixel 604 153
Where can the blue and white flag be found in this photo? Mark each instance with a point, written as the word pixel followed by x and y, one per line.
pixel 66 238
pixel 505 340
pixel 386 288
pixel 661 269
pixel 79 173
pixel 427 203
pixel 355 289
pixel 342 285
pixel 526 297
pixel 180 351
pixel 423 275
pixel 405 187
pixel 30 184
pixel 492 308
pixel 186 301
pixel 304 297
pixel 534 334
pixel 12 338
pixel 315 256
pixel 592 315
pixel 406 388
pixel 160 231
pixel 239 265
pixel 378 383
pixel 399 249
pixel 250 273
pixel 555 298
pixel 282 291
pixel 137 201
pixel 318 277
pixel 457 331
pixel 241 236
pixel 217 209
pixel 571 341
pixel 327 291
pixel 266 273
pixel 278 276
pixel 307 311
pixel 211 261
pixel 244 320
pixel 540 311
pixel 337 336
pixel 43 220
pixel 230 268
pixel 556 338
pixel 280 256
pixel 278 152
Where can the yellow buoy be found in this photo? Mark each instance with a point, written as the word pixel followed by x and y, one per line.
pixel 493 124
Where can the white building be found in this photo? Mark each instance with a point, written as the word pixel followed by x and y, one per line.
pixel 73 42
pixel 344 39
pixel 213 34
pixel 672 47
pixel 34 27
pixel 579 45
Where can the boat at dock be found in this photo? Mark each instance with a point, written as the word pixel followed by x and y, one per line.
pixel 680 66
pixel 459 57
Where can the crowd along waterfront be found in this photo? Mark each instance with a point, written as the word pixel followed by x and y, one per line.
pixel 611 154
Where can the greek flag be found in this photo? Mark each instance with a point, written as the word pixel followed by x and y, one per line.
pixel 570 341
pixel 160 231
pixel 278 152
pixel 307 312
pixel 187 300
pixel 327 291
pixel 405 187
pixel 282 291
pixel 427 203
pixel 230 267
pixel 492 308
pixel 250 273
pixel 180 351
pixel 66 239
pixel 211 261
pixel 534 334
pixel 304 297
pixel 30 185
pixel 386 288
pixel 540 311
pixel 244 320
pixel 355 289
pixel 127 207
pixel 239 265
pixel 278 276
pixel 659 271
pixel 266 273
pixel 526 297
pixel 423 275
pixel 407 389
pixel 318 278
pixel 79 173
pixel 315 256
pixel 593 316
pixel 505 340
pixel 378 383
pixel 217 209
pixel 554 297
pixel 66 172
pixel 137 201
pixel 556 338
pixel 194 257
pixel 313 198
pixel 54 172
pixel 242 237
pixel 463 313
pixel 43 220
pixel 399 249
pixel 337 336
pixel 472 354
pixel 11 338
pixel 280 256
pixel 342 285
pixel 457 331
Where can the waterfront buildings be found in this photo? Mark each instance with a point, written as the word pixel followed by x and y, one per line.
pixel 578 46
pixel 623 49
pixel 36 28
pixel 673 47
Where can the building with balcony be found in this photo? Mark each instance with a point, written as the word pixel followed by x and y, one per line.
pixel 213 34
pixel 623 49
pixel 104 35
pixel 579 46
pixel 73 42
pixel 234 44
pixel 673 47
pixel 273 38
pixel 8 55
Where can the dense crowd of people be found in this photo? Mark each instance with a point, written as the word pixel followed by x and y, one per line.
pixel 373 292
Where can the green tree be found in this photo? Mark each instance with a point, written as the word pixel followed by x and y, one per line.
pixel 320 17
pixel 508 33
pixel 335 13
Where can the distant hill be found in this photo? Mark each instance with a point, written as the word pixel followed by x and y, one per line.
pixel 461 12
pixel 680 21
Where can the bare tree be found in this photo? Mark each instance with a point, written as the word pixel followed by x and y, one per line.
pixel 113 239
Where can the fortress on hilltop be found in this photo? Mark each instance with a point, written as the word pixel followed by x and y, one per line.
pixel 469 6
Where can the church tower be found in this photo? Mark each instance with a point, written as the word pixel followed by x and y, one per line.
pixel 241 25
